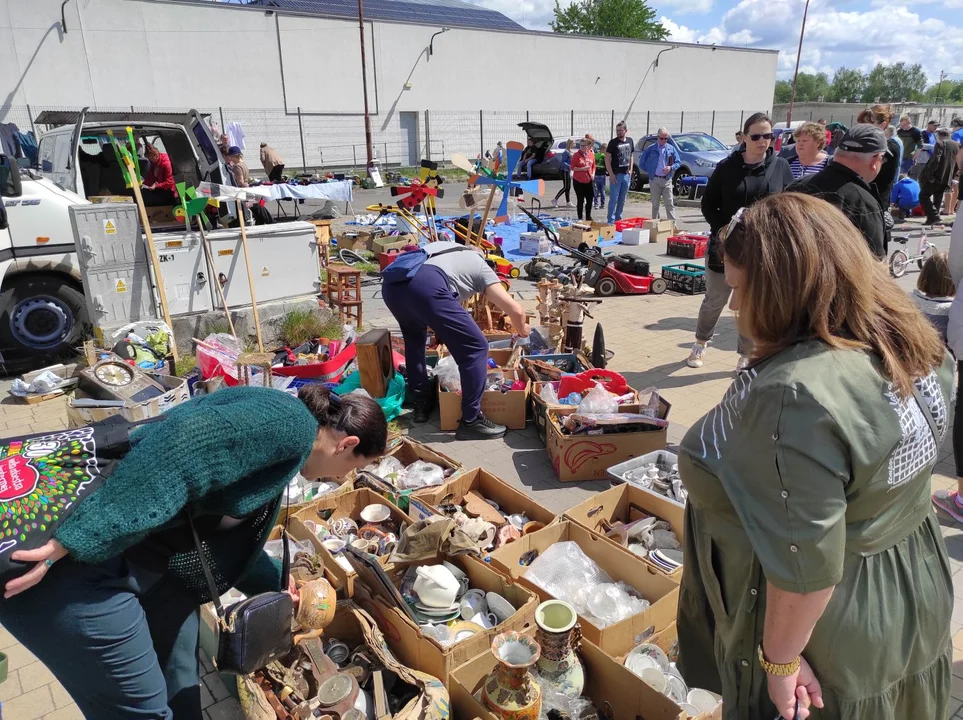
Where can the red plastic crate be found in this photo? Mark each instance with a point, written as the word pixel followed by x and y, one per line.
pixel 629 223
pixel 688 246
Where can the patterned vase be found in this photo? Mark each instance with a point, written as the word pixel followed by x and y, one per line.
pixel 558 636
pixel 511 692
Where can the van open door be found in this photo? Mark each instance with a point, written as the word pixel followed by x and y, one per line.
pixel 73 180
pixel 209 157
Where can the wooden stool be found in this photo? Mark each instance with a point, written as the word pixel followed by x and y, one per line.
pixel 322 235
pixel 247 361
pixel 344 290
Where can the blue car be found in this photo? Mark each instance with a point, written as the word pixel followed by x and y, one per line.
pixel 699 154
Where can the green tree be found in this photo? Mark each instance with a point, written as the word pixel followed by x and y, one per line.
pixel 895 83
pixel 783 92
pixel 948 92
pixel 847 86
pixel 609 18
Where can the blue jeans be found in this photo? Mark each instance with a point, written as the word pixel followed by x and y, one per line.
pixel 600 190
pixel 619 190
pixel 121 640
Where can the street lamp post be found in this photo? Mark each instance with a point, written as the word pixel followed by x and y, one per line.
pixel 364 88
pixel 795 75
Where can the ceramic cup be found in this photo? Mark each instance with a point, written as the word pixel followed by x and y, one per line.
pixel 655 678
pixel 368 546
pixel 472 604
pixel 485 620
pixel 460 576
pixel 334 545
pixel 344 526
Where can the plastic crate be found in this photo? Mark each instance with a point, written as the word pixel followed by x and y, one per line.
pixel 685 278
pixel 664 457
pixel 688 246
pixel 628 223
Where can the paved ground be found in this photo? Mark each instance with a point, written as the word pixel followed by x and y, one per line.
pixel 651 336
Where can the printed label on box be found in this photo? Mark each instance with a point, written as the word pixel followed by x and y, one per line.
pixel 110 228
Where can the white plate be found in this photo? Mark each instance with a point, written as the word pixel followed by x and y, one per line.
pixel 675 688
pixel 701 699
pixel 637 663
pixel 651 651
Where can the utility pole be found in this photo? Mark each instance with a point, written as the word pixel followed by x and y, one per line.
pixel 795 76
pixel 943 76
pixel 364 87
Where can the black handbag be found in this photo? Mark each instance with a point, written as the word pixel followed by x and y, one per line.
pixel 255 631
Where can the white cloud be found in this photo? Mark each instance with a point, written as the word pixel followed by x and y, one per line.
pixel 687 7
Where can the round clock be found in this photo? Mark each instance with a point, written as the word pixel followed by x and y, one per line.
pixel 114 374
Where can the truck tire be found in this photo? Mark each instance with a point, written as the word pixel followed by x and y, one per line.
pixel 42 319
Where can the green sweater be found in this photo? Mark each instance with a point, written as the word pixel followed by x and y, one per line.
pixel 228 453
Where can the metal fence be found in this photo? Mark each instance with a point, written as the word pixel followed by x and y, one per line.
pixel 316 142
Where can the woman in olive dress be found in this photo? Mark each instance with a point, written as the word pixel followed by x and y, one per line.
pixel 815 569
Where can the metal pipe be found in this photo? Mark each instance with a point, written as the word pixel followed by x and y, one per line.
pixel 304 157
pixel 431 43
pixel 795 77
pixel 364 88
pixel 63 16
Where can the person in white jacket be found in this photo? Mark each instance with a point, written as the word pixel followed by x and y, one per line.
pixel 951 501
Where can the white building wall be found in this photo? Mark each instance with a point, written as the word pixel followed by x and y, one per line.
pixel 261 69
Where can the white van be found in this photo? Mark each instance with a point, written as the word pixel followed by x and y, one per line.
pixel 43 312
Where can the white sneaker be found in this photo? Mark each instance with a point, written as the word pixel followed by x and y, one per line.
pixel 743 364
pixel 697 356
pixel 554 203
pixel 569 205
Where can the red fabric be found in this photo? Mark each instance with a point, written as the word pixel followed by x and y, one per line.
pixel 161 174
pixel 583 166
pixel 829 138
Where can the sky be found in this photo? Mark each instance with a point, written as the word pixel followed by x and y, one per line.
pixel 850 33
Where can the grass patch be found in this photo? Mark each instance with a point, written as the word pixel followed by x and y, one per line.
pixel 185 363
pixel 299 326
pixel 368 267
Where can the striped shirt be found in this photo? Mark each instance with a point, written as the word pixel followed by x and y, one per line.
pixel 799 170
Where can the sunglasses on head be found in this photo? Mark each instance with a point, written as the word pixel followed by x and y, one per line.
pixel 756 137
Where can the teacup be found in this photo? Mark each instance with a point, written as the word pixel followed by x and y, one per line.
pixel 344 526
pixel 368 546
pixel 486 620
pixel 472 604
pixel 333 545
pixel 460 576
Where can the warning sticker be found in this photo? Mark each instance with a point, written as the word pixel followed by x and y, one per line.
pixel 110 228
pixel 264 271
pixel 225 252
pixel 120 286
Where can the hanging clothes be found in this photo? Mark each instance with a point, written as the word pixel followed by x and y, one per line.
pixel 28 145
pixel 235 134
pixel 9 144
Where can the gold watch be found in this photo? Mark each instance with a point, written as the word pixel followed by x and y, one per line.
pixel 784 670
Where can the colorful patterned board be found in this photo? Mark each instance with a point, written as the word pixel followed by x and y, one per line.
pixel 42 477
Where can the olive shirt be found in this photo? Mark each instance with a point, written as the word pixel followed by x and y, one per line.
pixel 812 473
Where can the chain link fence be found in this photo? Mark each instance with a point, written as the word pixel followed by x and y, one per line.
pixel 320 142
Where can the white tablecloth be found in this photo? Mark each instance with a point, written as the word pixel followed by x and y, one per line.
pixel 337 191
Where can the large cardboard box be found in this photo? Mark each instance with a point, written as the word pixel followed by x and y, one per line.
pixel 626 503
pixel 327 509
pixel 506 408
pixel 572 237
pixel 659 230
pixel 388 242
pixel 490 487
pixel 607 683
pixel 426 654
pixel 587 457
pixel 177 393
pixel 356 240
pixel 619 563
pixel 604 230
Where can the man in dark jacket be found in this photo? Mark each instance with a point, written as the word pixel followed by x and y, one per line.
pixel 937 175
pixel 845 182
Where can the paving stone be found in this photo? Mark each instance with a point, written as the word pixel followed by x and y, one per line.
pixel 60 696
pixel 71 712
pixel 228 709
pixel 216 686
pixel 35 675
pixel 10 688
pixel 29 706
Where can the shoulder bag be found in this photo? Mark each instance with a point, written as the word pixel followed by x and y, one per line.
pixel 255 631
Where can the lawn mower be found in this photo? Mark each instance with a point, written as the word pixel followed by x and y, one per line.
pixel 628 274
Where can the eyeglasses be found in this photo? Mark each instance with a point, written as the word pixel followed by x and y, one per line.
pixel 756 137
pixel 663 137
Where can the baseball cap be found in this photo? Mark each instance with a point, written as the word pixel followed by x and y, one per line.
pixel 234 150
pixel 932 122
pixel 863 138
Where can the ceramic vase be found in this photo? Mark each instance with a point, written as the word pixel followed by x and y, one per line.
pixel 317 606
pixel 510 692
pixel 558 636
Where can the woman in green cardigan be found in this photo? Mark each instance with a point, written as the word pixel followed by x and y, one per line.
pixel 115 611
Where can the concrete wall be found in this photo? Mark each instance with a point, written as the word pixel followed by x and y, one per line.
pixel 259 70
pixel 847 113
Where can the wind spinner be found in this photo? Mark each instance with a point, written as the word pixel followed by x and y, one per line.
pixel 507 185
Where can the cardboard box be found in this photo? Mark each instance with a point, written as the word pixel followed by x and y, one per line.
pixel 659 230
pixel 618 562
pixel 626 503
pixel 388 242
pixel 540 408
pixel 572 237
pixel 509 500
pixel 176 394
pixel 356 241
pixel 533 243
pixel 325 510
pixel 506 408
pixel 604 230
pixel 425 654
pixel 606 683
pixel 587 457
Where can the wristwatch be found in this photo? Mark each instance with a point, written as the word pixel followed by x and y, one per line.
pixel 784 670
